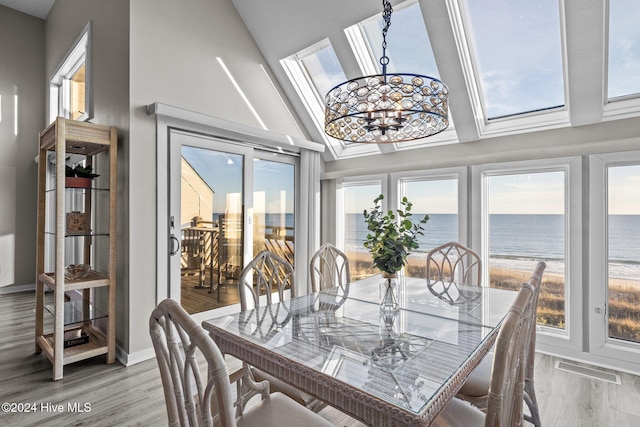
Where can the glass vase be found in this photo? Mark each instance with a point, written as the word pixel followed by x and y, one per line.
pixel 389 292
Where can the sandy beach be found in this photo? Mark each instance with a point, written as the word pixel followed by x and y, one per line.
pixel 623 295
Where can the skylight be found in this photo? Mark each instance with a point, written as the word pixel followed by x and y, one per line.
pixel 624 48
pixel 519 55
pixel 322 67
pixel 408 45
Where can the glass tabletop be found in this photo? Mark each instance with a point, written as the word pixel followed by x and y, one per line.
pixel 403 357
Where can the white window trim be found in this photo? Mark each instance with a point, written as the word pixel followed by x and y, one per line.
pixel 513 124
pixel 599 342
pixel 339 231
pixel 313 102
pixel 621 108
pixel 79 53
pixel 458 173
pixel 550 340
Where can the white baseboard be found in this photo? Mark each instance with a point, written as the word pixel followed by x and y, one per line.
pixel 128 359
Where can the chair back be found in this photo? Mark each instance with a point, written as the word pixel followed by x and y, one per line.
pixel 449 266
pixel 535 281
pixel 180 343
pixel 265 274
pixel 505 403
pixel 329 268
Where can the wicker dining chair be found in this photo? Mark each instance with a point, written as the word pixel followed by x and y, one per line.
pixel 476 387
pixel 329 268
pixel 199 394
pixel 449 266
pixel 505 403
pixel 265 274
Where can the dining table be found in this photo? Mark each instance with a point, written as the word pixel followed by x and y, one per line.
pixel 383 366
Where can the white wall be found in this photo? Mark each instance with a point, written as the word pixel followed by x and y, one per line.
pixel 174 46
pixel 21 70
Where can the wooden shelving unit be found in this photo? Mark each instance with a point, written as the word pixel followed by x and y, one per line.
pixel 82 309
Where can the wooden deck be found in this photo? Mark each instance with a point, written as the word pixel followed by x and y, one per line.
pixel 209 259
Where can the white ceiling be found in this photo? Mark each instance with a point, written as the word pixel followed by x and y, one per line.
pixel 284 27
pixel 37 8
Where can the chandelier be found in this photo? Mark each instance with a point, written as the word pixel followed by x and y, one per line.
pixel 386 108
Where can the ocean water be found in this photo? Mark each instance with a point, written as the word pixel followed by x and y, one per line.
pixel 515 241
pixel 518 241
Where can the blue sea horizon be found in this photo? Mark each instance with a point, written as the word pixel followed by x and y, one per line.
pixel 518 241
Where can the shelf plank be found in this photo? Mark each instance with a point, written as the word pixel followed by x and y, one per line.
pixel 93 280
pixel 82 138
pixel 95 347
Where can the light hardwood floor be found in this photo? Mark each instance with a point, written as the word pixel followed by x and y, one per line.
pixel 132 396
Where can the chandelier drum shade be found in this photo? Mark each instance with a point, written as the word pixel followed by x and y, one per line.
pixel 387 108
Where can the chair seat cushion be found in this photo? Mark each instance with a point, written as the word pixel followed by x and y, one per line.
pixel 459 413
pixel 478 382
pixel 277 385
pixel 278 410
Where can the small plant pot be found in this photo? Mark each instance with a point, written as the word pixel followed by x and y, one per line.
pixel 77 182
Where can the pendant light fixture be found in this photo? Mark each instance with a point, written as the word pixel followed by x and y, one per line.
pixel 387 108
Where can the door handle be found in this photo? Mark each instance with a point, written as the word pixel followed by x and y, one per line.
pixel 177 244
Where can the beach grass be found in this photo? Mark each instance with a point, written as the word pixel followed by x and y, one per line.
pixel 623 305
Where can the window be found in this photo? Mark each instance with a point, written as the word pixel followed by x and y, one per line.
pixel 313 71
pixel 518 52
pixel 322 67
pixel 273 207
pixel 437 198
pixel 408 44
pixel 355 198
pixel 624 48
pixel 70 85
pixel 623 257
pixel 526 222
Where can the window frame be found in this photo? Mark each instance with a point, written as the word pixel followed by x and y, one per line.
pixel 459 173
pixel 314 102
pixel 59 82
pixel 600 345
pixel 390 185
pixel 550 339
pixel 339 230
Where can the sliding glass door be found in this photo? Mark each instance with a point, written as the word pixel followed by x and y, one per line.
pixel 273 206
pixel 228 202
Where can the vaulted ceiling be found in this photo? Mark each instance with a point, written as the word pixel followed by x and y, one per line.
pixel 286 29
pixel 283 28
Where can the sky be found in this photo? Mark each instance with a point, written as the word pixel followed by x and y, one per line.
pixel 223 172
pixel 624 190
pixel 624 48
pixel 541 193
pixel 531 193
pixel 526 67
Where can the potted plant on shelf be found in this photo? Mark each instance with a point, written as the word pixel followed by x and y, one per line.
pixel 79 176
pixel 392 236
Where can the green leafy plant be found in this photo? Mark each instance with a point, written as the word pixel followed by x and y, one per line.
pixel 392 235
pixel 80 172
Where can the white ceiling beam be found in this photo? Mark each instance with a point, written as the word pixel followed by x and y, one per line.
pixel 447 56
pixel 585 60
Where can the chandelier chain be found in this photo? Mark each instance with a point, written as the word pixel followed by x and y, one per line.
pixel 386 16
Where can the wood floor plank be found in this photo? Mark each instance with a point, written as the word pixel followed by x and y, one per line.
pixel 133 396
